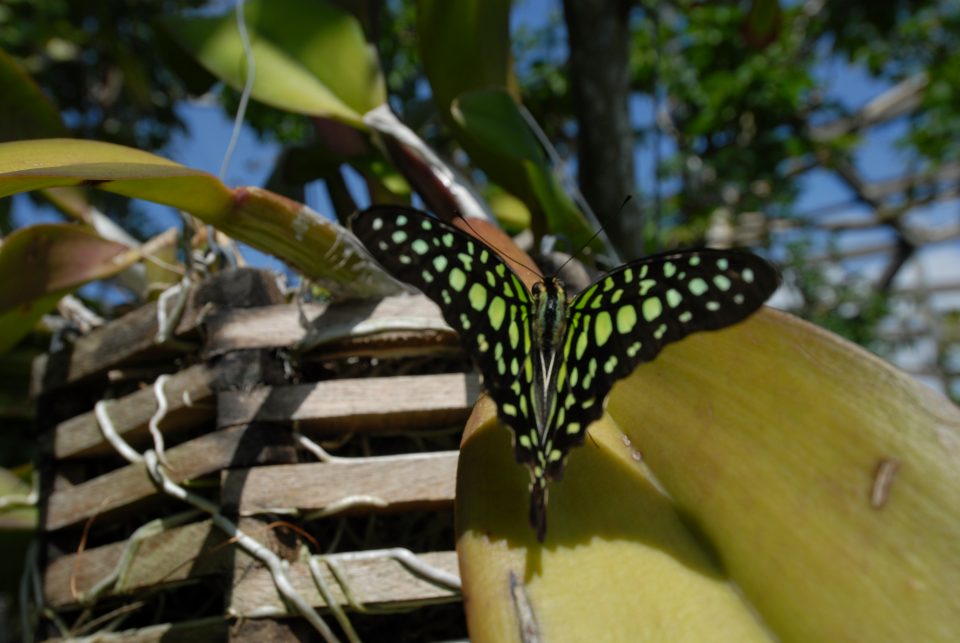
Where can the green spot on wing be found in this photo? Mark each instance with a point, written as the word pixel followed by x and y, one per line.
pixel 458 279
pixel 497 311
pixel 602 328
pixel 698 286
pixel 673 298
pixel 478 296
pixel 652 308
pixel 581 346
pixel 626 319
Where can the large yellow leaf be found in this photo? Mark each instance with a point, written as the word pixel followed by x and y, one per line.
pixel 817 479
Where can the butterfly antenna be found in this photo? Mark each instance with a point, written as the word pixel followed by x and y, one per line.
pixel 480 236
pixel 594 236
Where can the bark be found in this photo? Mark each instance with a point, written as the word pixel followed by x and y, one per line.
pixel 599 40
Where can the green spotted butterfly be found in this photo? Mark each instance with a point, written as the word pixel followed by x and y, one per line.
pixel 549 360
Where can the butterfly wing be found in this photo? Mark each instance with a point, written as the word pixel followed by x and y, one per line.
pixel 478 295
pixel 629 315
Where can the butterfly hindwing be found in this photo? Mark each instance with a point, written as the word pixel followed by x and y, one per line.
pixel 478 295
pixel 630 314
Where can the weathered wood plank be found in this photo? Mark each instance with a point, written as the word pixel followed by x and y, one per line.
pixel 235 447
pixel 120 342
pixel 402 482
pixel 168 558
pixel 376 580
pixel 80 437
pixel 203 630
pixel 133 337
pixel 401 317
pixel 376 404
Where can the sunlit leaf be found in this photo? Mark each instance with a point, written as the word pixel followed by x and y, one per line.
pixel 799 461
pixel 618 559
pixel 275 225
pixel 311 57
pixel 808 464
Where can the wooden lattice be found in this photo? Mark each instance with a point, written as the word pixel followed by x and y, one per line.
pixel 251 390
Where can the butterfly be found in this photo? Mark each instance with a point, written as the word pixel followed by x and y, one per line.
pixel 547 359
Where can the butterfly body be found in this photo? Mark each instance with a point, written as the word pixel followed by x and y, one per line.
pixel 549 360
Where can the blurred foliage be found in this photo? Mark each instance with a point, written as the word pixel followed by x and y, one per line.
pixel 102 63
pixel 108 71
pixel 738 85
pixel 845 304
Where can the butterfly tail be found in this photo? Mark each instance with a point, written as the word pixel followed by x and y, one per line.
pixel 538 507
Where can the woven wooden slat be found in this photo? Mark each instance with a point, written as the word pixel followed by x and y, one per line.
pixel 239 446
pixel 384 405
pixel 281 326
pixel 133 337
pixel 402 482
pixel 189 397
pixel 170 557
pixel 376 579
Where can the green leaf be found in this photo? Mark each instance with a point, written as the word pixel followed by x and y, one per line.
pixel 17 529
pixel 16 517
pixel 311 57
pixel 510 211
pixel 32 165
pixel 492 120
pixel 25 111
pixel 41 263
pixel 762 23
pixel 464 45
pixel 496 136
pixel 17 323
pixel 53 259
pixel 266 221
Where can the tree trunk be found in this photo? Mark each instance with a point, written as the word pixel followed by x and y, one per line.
pixel 599 38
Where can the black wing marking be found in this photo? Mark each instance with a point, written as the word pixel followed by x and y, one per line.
pixel 478 295
pixel 629 315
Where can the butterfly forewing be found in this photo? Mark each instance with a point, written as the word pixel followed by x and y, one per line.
pixel 478 295
pixel 630 314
